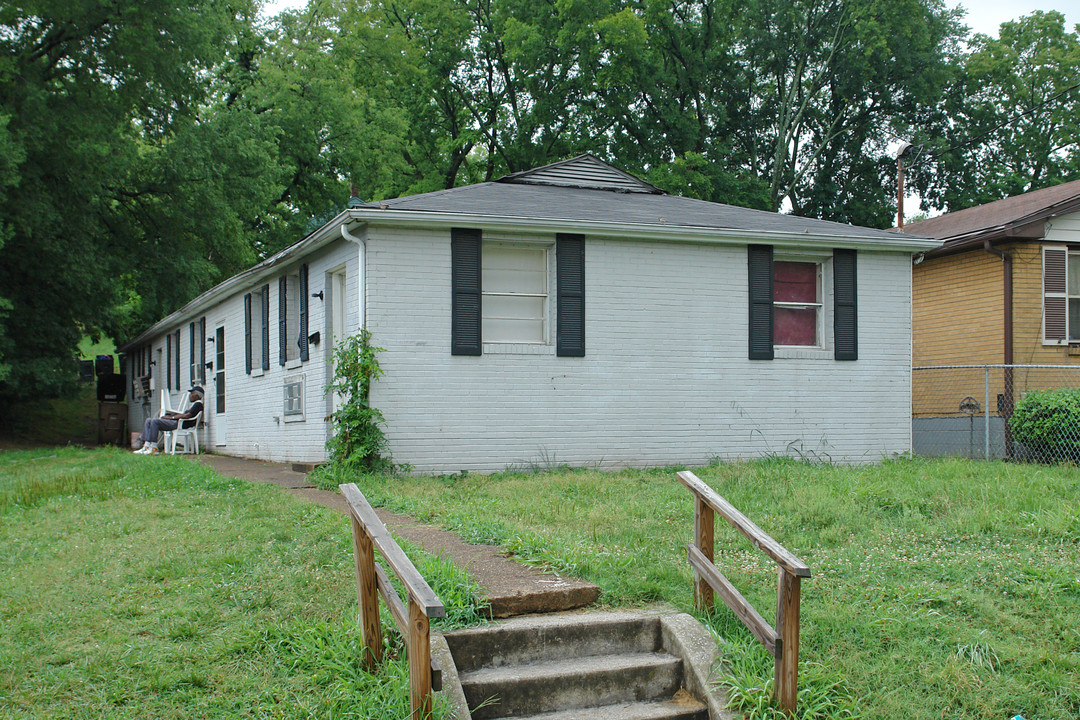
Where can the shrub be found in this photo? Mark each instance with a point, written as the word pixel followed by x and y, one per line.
pixel 358 438
pixel 1047 423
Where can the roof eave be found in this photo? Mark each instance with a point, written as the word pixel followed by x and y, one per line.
pixel 270 266
pixel 638 231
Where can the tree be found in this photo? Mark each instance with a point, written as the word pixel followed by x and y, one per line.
pixel 98 126
pixel 1011 120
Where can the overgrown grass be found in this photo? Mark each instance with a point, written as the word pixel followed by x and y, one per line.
pixel 139 587
pixel 940 588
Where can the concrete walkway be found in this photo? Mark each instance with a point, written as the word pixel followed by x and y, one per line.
pixel 510 588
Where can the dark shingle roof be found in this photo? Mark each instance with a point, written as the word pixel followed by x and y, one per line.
pixel 547 202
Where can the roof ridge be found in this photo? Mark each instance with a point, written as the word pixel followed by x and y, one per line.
pixel 592 173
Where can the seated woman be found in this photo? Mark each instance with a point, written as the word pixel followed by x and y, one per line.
pixel 153 427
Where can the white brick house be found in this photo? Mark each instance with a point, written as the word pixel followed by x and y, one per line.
pixel 567 314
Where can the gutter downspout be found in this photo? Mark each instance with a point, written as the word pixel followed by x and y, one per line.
pixel 1007 405
pixel 361 274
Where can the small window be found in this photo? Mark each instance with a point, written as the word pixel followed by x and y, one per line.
pixel 293 397
pixel 197 371
pixel 1073 291
pixel 292 317
pixel 797 306
pixel 255 330
pixel 515 293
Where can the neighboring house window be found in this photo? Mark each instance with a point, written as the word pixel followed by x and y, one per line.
pixel 787 306
pixel 514 280
pixel 1061 296
pixel 293 396
pixel 293 316
pixel 501 293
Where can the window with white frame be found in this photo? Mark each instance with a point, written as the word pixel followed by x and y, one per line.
pixel 798 308
pixel 515 293
pixel 1061 295
pixel 292 316
pixel 293 396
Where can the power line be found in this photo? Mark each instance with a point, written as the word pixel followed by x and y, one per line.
pixel 1002 124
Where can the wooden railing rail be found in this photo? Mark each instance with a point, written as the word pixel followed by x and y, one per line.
pixel 782 642
pixel 412 619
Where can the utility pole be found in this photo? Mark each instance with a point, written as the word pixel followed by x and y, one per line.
pixel 903 151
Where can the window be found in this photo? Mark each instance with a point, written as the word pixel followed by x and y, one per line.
pixel 176 359
pixel 501 293
pixel 293 316
pixel 257 330
pixel 197 370
pixel 787 307
pixel 797 306
pixel 1061 296
pixel 293 397
pixel 514 279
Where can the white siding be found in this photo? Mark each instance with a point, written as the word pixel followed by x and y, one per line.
pixel 665 379
pixel 255 426
pixel 1064 229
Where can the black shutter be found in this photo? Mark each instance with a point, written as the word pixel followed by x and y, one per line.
pixel 283 320
pixel 202 349
pixel 193 377
pixel 168 361
pixel 266 327
pixel 759 261
pixel 247 333
pixel 465 321
pixel 177 368
pixel 570 302
pixel 845 306
pixel 302 340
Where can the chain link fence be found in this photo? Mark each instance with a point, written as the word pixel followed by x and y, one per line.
pixel 965 409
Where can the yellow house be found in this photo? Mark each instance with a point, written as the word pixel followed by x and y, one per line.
pixel 1003 290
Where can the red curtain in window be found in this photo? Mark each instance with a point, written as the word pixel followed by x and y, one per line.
pixel 795 282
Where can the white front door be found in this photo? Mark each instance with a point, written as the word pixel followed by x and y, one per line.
pixel 336 325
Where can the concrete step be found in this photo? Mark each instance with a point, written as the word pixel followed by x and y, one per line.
pixel 539 687
pixel 682 707
pixel 552 637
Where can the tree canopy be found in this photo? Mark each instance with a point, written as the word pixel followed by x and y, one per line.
pixel 149 150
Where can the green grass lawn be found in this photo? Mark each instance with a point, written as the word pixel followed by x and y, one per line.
pixel 135 587
pixel 940 588
pixel 150 587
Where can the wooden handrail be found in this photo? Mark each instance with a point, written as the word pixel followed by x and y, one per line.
pixel 412 619
pixel 743 524
pixel 781 642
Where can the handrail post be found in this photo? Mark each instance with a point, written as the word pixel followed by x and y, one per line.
pixel 787 624
pixel 704 541
pixel 367 591
pixel 419 652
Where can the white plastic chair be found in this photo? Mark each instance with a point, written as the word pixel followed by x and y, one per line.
pixel 167 436
pixel 188 436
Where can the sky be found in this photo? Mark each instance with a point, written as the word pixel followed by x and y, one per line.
pixel 984 16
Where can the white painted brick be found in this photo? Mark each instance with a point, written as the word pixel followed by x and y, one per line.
pixel 665 379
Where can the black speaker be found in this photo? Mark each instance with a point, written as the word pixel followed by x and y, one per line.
pixel 111 388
